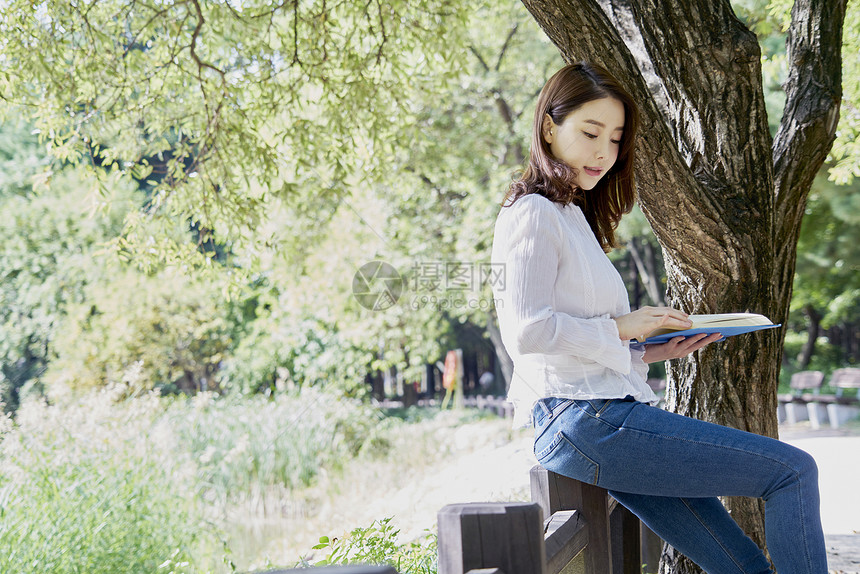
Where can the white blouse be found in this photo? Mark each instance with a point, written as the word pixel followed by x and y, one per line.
pixel 556 306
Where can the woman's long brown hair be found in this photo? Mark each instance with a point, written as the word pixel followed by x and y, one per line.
pixel 615 193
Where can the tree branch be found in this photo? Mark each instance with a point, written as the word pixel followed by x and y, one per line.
pixel 479 57
pixel 806 132
pixel 507 43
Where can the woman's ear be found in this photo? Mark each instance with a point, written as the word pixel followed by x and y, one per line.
pixel 548 128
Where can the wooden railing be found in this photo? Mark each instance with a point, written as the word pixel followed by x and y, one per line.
pixel 585 530
pixel 569 527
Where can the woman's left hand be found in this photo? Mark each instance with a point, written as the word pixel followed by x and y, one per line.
pixel 678 347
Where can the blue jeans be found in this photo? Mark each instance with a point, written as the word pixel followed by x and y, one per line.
pixel 668 470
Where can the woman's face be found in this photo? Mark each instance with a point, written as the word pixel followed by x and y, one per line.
pixel 588 139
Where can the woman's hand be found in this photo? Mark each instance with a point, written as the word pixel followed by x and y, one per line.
pixel 678 347
pixel 639 323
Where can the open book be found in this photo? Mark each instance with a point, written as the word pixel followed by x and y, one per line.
pixel 728 324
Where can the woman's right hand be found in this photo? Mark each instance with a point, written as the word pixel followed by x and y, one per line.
pixel 639 323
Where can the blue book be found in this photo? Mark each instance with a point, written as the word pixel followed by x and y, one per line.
pixel 728 324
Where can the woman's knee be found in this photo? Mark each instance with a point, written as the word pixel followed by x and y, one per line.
pixel 804 464
pixel 800 467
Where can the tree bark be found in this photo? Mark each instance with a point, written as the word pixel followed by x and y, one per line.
pixel 724 200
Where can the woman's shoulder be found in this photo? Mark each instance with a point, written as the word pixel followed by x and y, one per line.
pixel 530 214
pixel 533 202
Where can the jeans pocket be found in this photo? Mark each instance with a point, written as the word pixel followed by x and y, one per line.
pixel 561 456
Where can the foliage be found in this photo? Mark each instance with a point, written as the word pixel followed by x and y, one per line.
pixel 431 215
pixel 282 344
pixel 770 19
pixel 87 489
pixel 218 107
pixel 245 446
pixel 377 544
pixel 828 262
pixel 54 233
pixel 431 212
pixel 826 359
pixel 273 152
pixel 170 328
pixel 71 312
pixel 845 154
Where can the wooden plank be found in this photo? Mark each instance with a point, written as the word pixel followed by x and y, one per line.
pixel 554 492
pixel 847 378
pixel 626 541
pixel 652 548
pixel 806 380
pixel 598 554
pixel 632 542
pixel 611 504
pixel 505 535
pixel 565 536
pixel 449 541
pixel 616 541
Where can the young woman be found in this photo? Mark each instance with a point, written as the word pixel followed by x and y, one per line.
pixel 566 322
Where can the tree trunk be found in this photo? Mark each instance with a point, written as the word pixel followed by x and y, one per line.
pixel 634 275
pixel 808 348
pixel 724 200
pixel 505 362
pixel 646 264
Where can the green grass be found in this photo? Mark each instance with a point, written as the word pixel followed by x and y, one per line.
pixel 78 494
pixel 101 484
pixel 242 447
pixel 104 484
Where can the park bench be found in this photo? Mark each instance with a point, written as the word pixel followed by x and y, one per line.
pixel 793 406
pixel 838 407
pixel 495 404
pixel 569 526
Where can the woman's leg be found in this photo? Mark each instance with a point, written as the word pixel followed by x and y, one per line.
pixel 701 529
pixel 629 447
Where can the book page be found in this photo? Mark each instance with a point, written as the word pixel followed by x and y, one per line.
pixel 718 320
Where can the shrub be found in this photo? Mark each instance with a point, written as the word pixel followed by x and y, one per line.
pixel 377 544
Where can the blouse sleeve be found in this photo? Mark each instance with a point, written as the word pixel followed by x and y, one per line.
pixel 640 367
pixel 534 249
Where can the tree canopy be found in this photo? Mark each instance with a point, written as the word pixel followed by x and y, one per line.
pixel 219 106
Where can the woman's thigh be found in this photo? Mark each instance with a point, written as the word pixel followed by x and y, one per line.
pixel 632 447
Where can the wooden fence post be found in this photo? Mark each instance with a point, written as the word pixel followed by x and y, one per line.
pixel 503 535
pixel 652 548
pixel 556 492
pixel 626 541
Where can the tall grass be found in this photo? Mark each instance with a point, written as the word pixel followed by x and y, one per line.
pixel 104 484
pixel 242 447
pixel 95 489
